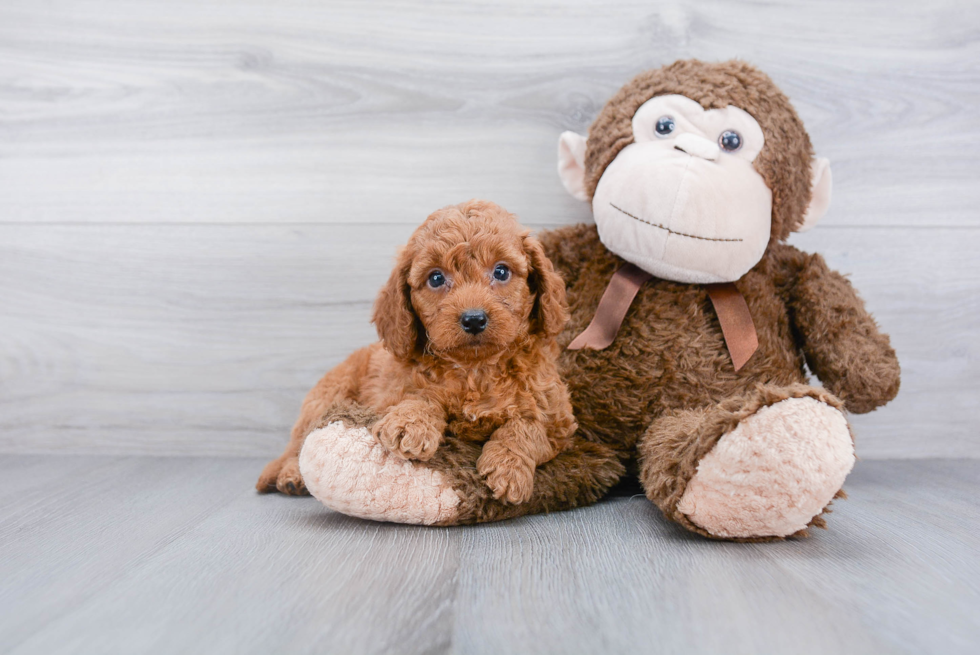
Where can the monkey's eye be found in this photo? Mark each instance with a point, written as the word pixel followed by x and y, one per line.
pixel 436 279
pixel 665 125
pixel 501 273
pixel 730 141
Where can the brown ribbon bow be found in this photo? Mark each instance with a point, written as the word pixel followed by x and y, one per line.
pixel 733 314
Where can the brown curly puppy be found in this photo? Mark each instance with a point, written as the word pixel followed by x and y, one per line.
pixel 468 322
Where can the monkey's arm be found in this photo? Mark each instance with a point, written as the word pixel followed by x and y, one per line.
pixel 840 339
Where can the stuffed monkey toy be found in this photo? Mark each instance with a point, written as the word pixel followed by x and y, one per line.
pixel 692 327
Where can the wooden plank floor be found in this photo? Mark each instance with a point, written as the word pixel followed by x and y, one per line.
pixel 141 554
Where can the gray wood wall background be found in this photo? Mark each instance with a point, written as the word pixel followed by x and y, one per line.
pixel 199 198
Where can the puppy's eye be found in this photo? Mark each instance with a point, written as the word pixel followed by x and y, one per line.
pixel 501 273
pixel 730 140
pixel 665 125
pixel 436 279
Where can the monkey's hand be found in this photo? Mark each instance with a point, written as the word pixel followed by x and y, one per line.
pixel 840 339
pixel 412 429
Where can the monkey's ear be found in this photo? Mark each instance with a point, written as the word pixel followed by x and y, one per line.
pixel 394 317
pixel 820 191
pixel 571 164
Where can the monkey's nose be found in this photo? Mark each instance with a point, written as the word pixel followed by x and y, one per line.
pixel 474 321
pixel 698 146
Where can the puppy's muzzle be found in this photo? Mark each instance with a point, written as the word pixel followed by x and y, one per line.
pixel 473 321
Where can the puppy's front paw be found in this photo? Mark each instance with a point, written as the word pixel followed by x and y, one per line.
pixel 408 435
pixel 509 476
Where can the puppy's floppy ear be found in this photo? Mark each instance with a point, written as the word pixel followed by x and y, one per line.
pixel 394 317
pixel 550 311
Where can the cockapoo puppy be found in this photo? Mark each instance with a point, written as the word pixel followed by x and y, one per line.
pixel 467 321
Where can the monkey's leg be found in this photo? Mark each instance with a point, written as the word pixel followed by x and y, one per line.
pixel 339 384
pixel 347 470
pixel 761 466
pixel 578 476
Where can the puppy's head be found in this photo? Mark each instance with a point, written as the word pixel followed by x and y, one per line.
pixel 470 282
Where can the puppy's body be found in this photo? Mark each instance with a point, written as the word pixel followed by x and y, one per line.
pixel 437 370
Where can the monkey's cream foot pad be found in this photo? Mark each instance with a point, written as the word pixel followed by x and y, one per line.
pixel 773 473
pixel 347 470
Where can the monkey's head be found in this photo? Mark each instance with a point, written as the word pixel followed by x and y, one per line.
pixel 693 170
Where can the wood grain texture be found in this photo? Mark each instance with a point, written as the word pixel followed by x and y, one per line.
pixel 208 111
pixel 198 199
pixel 140 555
pixel 204 339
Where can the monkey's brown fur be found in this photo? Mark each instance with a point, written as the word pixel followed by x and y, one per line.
pixel 661 396
pixel 498 389
pixel 665 391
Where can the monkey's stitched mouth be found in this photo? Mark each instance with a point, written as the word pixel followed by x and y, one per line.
pixel 664 227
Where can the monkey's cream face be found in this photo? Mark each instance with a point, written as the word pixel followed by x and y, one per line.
pixel 683 201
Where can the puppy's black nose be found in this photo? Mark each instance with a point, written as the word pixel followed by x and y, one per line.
pixel 474 321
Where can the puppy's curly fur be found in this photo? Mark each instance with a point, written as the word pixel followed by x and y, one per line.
pixel 430 376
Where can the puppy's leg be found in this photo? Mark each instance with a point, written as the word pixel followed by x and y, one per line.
pixel 282 473
pixel 412 429
pixel 510 457
pixel 341 383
